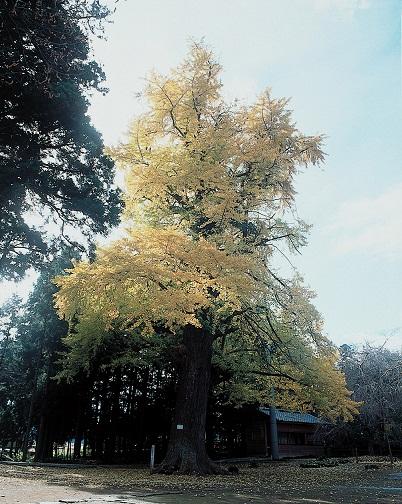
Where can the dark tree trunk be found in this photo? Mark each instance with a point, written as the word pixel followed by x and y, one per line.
pixel 85 445
pixel 113 417
pixel 78 431
pixel 41 450
pixel 186 452
pixel 79 422
pixel 27 435
pixel 141 406
pixel 26 440
pixel 77 443
pixel 42 440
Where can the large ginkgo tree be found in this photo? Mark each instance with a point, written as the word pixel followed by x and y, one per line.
pixel 208 201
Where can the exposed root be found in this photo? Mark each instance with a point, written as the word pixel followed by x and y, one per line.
pixel 186 461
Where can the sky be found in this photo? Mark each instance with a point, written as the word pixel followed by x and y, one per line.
pixel 340 63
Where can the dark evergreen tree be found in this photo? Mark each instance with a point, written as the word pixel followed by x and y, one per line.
pixel 111 411
pixel 12 380
pixel 52 165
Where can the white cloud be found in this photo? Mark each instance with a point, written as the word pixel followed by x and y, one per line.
pixel 370 225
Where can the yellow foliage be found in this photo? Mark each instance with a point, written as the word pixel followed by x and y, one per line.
pixel 208 192
pixel 155 276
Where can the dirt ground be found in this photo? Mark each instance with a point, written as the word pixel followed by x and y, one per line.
pixel 269 483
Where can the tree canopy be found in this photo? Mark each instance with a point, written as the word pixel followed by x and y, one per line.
pixel 374 374
pixel 54 175
pixel 210 194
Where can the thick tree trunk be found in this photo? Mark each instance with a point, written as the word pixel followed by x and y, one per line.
pixel 186 453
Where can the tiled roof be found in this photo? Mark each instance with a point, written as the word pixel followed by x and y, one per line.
pixel 291 416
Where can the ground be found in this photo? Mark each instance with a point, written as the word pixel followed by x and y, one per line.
pixel 269 483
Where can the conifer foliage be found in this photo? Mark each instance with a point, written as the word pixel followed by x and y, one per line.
pixel 52 165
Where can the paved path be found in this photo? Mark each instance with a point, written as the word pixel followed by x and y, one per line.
pixel 22 491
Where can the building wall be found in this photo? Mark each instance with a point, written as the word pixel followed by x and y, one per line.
pixel 300 451
pixel 295 440
pixel 256 437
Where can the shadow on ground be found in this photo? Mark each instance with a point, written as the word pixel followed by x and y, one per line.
pixel 287 483
pixel 383 492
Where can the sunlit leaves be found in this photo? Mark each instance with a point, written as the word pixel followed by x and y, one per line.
pixel 209 198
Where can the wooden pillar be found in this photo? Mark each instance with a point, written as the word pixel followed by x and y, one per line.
pixel 274 433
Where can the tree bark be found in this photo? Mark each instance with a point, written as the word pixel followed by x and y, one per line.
pixel 186 452
pixel 82 398
pixel 41 450
pixel 26 440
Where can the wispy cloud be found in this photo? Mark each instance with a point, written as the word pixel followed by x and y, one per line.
pixel 371 225
pixel 390 338
pixel 347 6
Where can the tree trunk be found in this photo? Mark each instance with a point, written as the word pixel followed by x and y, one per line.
pixel 27 435
pixel 78 430
pixel 186 452
pixel 77 444
pixel 85 446
pixel 42 440
pixel 25 444
pixel 41 449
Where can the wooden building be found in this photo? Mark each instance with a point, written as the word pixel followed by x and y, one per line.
pixel 297 434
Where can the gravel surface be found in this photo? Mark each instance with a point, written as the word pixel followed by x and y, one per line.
pixel 271 483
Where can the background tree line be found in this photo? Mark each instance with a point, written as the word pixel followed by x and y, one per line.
pixel 120 408
pixel 374 374
pixel 112 413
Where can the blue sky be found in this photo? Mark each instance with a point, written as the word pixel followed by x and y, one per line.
pixel 340 63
